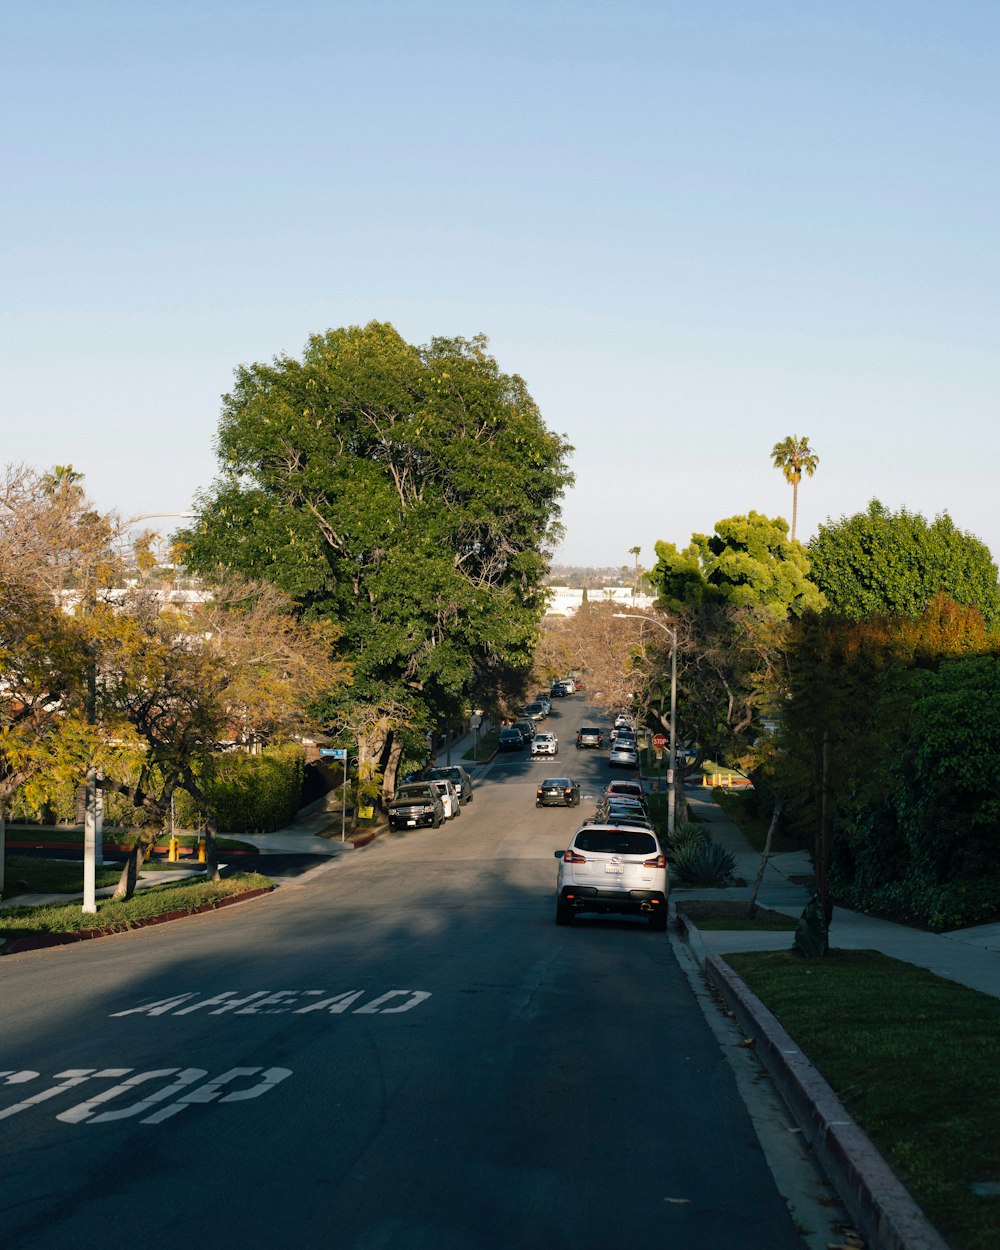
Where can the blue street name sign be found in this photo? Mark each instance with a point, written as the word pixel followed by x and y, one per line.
pixel 335 753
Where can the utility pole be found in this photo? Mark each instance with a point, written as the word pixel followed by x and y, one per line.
pixel 90 843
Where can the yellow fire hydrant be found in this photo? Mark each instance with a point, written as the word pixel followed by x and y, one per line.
pixel 173 850
pixel 201 850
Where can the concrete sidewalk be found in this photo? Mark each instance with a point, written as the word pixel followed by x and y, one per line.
pixel 969 956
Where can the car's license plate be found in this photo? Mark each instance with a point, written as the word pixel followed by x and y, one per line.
pixel 411 822
pixel 614 867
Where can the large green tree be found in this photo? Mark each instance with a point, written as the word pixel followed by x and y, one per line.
pixel 880 562
pixel 409 493
pixel 748 562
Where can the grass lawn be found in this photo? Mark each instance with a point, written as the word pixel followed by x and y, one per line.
pixel 916 1060
pixel 154 901
pixel 739 807
pixel 73 836
pixel 708 914
pixel 25 875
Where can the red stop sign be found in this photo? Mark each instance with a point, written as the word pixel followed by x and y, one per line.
pixel 659 741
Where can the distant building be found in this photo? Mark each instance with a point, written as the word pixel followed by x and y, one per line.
pixel 564 600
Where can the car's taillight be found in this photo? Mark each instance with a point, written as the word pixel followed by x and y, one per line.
pixel 571 857
pixel 567 789
pixel 658 861
pixel 540 791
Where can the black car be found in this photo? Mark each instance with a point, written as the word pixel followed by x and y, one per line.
pixel 414 804
pixel 558 792
pixel 455 774
pixel 526 727
pixel 588 736
pixel 511 739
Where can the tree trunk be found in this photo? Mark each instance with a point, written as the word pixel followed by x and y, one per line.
pixel 3 845
pixel 130 873
pixel 795 506
pixel 391 766
pixel 211 855
pixel 779 803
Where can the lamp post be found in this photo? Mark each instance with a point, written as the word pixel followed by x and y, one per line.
pixel 672 760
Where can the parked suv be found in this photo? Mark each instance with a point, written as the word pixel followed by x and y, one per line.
pixel 456 774
pixel 416 803
pixel 608 869
pixel 589 737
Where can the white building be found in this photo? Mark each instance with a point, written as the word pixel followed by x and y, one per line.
pixel 564 600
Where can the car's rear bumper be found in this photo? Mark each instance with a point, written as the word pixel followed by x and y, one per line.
pixel 621 902
pixel 552 801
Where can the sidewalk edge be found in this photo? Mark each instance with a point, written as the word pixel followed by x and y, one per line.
pixel 882 1208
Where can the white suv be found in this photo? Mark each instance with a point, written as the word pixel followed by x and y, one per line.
pixel 545 743
pixel 608 868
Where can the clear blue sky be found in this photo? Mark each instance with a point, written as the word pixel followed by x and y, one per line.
pixel 693 228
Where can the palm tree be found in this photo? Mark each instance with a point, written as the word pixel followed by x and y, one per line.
pixel 793 456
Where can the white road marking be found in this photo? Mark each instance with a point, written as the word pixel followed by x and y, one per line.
pixel 279 1002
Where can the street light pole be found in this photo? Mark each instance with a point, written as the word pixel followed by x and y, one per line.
pixel 672 759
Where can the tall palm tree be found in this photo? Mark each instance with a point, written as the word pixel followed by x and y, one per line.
pixel 793 456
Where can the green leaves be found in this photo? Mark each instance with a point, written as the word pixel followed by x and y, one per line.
pixel 882 562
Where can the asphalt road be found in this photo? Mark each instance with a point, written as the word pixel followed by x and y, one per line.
pixel 400 1049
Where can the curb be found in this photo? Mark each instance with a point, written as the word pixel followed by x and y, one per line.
pixel 14 946
pixel 881 1207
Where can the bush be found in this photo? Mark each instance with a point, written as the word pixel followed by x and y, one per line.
pixel 700 863
pixel 936 906
pixel 248 792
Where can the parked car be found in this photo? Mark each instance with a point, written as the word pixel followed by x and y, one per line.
pixel 415 804
pixel 621 813
pixel 558 691
pixel 543 698
pixel 526 726
pixel 536 711
pixel 608 869
pixel 624 753
pixel 545 743
pixel 633 789
pixel 560 791
pixel 589 736
pixel 623 718
pixel 511 739
pixel 565 685
pixel 449 797
pixel 456 774
pixel 578 684
pixel 622 803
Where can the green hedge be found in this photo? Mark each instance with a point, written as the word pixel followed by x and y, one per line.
pixel 249 793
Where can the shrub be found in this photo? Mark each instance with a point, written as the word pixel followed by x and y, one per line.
pixel 249 792
pixel 700 863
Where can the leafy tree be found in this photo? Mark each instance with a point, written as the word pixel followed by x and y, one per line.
pixel 887 563
pixel 793 456
pixel 749 562
pixel 409 494
pixel 884 709
pixel 174 684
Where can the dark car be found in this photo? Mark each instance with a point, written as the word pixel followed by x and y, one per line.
pixel 526 727
pixel 455 774
pixel 511 739
pixel 558 691
pixel 558 791
pixel 588 736
pixel 610 813
pixel 633 789
pixel 415 804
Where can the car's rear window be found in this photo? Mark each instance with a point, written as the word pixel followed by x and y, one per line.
pixel 615 842
pixel 589 730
